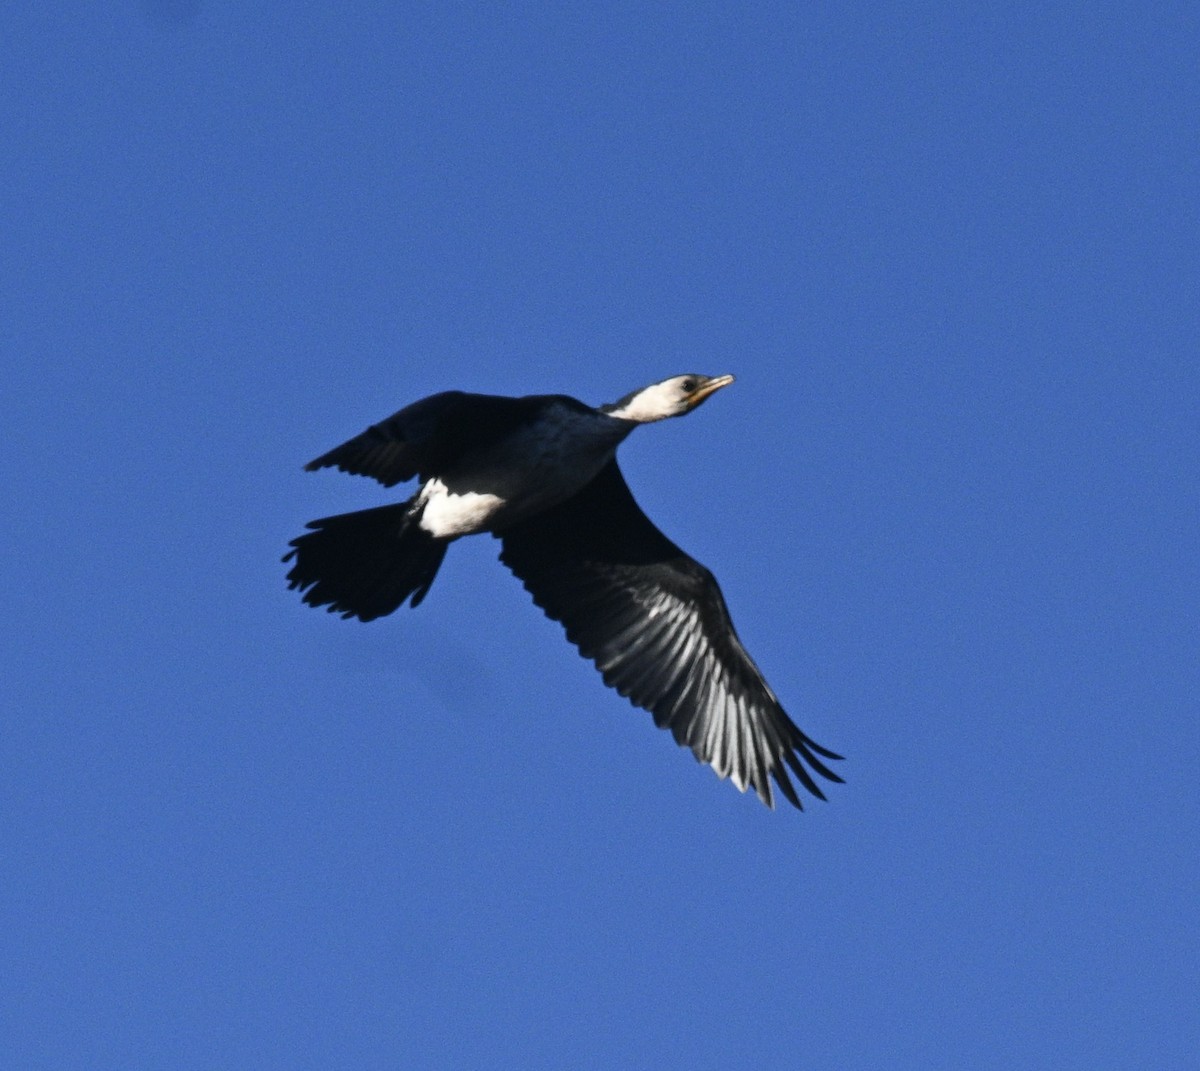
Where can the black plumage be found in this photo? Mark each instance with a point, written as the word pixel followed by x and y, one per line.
pixel 430 437
pixel 649 616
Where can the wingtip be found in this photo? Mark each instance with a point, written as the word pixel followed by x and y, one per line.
pixel 785 786
pixel 824 751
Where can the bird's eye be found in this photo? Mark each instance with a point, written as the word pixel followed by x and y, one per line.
pixel 688 385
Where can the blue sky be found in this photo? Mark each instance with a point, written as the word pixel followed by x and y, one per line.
pixel 952 254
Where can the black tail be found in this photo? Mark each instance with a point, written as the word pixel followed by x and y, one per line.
pixel 366 564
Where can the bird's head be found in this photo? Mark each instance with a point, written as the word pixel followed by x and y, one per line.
pixel 670 398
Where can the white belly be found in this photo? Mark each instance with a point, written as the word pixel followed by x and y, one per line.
pixel 448 515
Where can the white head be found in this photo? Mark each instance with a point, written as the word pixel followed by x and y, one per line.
pixel 672 397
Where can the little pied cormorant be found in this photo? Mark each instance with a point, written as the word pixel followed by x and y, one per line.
pixel 540 473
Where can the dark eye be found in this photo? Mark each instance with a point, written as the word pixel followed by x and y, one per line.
pixel 688 385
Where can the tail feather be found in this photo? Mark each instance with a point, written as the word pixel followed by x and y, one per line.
pixel 367 563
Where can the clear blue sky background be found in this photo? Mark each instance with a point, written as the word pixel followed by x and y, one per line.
pixel 952 253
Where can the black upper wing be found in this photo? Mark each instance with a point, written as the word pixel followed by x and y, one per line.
pixel 654 622
pixel 429 436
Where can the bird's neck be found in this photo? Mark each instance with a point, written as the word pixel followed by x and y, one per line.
pixel 633 409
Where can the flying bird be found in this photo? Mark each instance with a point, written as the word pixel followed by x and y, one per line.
pixel 540 473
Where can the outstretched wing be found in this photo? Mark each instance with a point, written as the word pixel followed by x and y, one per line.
pixel 429 436
pixel 654 622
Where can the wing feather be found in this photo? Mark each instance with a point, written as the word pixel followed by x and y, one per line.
pixel 654 622
pixel 428 437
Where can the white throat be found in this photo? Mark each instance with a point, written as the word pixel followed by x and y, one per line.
pixel 656 402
